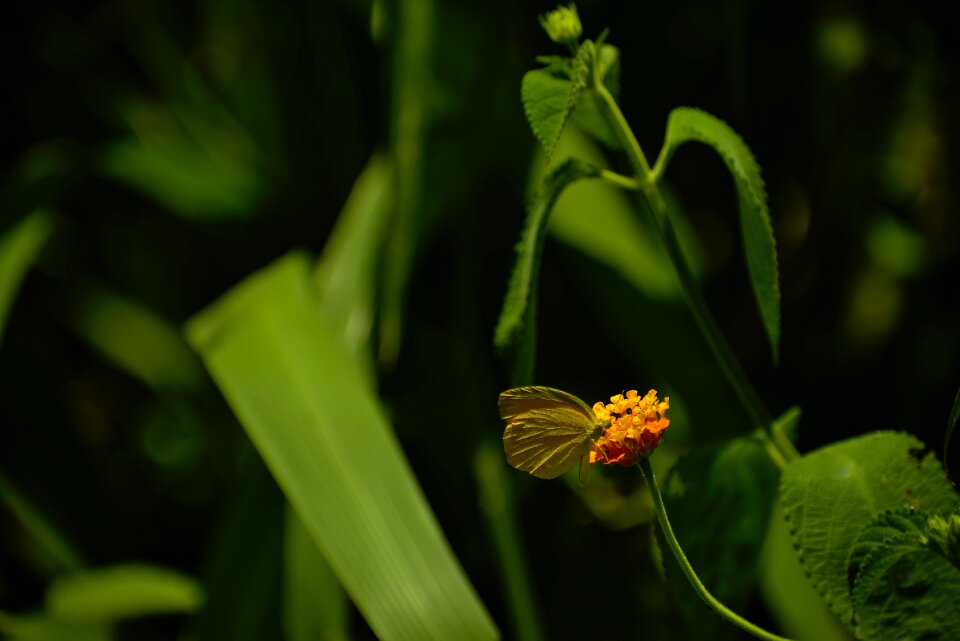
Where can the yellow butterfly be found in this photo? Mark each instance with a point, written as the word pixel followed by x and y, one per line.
pixel 548 431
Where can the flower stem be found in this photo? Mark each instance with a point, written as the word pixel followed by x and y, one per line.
pixel 698 587
pixel 647 186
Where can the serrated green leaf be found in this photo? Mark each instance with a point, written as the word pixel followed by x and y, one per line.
pixel 906 590
pixel 588 113
pixel 121 592
pixel 549 99
pixel 19 247
pixel 519 306
pixel 685 125
pixel 719 501
pixel 830 494
pixel 951 426
pixel 880 531
pixel 309 412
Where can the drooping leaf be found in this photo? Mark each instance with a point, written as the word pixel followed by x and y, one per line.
pixel 719 501
pixel 905 589
pixel 19 247
pixel 515 329
pixel 124 591
pixel 686 124
pixel 133 338
pixel 549 98
pixel 831 494
pixel 315 422
pixel 951 426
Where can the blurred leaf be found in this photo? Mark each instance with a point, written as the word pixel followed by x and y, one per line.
pixel 516 329
pixel 315 607
pixel 951 426
pixel 197 169
pixel 42 627
pixel 19 247
pixel 787 592
pixel 685 125
pixel 897 249
pixel 413 89
pixel 55 550
pixel 244 559
pixel 498 503
pixel 308 411
pixel 719 501
pixel 787 423
pixel 345 273
pixel 121 592
pixel 830 494
pixel 548 99
pixel 904 589
pixel 135 339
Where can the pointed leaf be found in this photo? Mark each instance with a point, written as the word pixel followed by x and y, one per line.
pixel 518 312
pixel 315 422
pixel 686 124
pixel 549 99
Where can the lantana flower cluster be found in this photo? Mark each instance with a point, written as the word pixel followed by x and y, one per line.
pixel 636 425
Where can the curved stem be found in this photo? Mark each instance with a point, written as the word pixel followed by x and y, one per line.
pixel 699 588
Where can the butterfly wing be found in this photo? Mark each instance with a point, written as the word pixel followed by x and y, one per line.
pixel 547 430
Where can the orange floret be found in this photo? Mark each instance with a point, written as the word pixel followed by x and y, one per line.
pixel 636 424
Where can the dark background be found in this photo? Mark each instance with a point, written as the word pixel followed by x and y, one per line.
pixel 848 107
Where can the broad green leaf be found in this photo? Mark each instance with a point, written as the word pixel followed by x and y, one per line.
pixel 794 604
pixel 719 502
pixel 414 38
pixel 19 247
pixel 55 551
pixel 134 338
pixel 549 99
pixel 314 605
pixel 312 417
pixel 951 426
pixel 43 627
pixel 831 494
pixel 516 327
pixel 121 592
pixel 905 589
pixel 685 125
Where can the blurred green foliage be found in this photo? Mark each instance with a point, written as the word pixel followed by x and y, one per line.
pixel 159 153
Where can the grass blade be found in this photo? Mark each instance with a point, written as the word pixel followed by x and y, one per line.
pixel 18 249
pixel 314 421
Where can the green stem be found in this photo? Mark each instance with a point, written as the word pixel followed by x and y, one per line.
pixel 647 186
pixel 699 588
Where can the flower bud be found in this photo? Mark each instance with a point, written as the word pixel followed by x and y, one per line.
pixel 563 25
